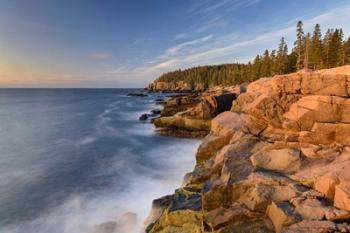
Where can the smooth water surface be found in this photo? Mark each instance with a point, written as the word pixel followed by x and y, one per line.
pixel 72 158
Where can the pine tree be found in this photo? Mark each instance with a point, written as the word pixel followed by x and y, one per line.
pixel 335 49
pixel 282 59
pixel 257 67
pixel 341 48
pixel 273 63
pixel 266 64
pixel 346 47
pixel 325 45
pixel 316 48
pixel 299 45
pixel 307 51
pixel 292 63
pixel 310 51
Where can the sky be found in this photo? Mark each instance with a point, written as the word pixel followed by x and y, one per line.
pixel 129 43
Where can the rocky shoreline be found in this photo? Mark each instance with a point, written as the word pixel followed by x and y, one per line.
pixel 190 115
pixel 277 161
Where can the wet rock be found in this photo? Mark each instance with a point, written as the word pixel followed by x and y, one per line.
pixel 183 214
pixel 144 117
pixel 181 133
pixel 158 207
pixel 160 101
pixel 181 122
pixel 156 111
pixel 137 94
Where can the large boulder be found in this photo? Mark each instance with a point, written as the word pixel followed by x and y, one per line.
pixel 236 218
pixel 182 215
pixel 323 84
pixel 342 196
pixel 226 124
pixel 284 160
pixel 211 143
pixel 311 227
pixel 321 109
pixel 314 209
pixel 282 215
pixel 179 104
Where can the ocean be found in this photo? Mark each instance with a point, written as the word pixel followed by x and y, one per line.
pixel 73 158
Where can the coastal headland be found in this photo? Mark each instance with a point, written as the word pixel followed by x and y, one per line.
pixel 276 157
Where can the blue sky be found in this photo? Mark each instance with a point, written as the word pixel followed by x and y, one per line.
pixel 105 43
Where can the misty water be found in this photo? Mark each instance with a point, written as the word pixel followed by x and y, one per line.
pixel 73 158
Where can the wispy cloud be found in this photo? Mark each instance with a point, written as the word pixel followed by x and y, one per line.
pixel 214 14
pixel 210 49
pixel 208 6
pixel 100 56
pixel 177 48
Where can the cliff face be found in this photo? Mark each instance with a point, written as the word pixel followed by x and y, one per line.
pixel 279 161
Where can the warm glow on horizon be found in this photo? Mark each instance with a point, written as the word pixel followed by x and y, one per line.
pixel 119 44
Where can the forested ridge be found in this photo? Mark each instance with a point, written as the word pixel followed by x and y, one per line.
pixel 311 51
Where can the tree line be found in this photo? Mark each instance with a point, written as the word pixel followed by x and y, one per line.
pixel 310 52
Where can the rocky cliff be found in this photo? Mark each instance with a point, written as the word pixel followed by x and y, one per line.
pixel 190 115
pixel 279 161
pixel 180 86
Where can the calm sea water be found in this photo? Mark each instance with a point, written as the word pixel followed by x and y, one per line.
pixel 72 158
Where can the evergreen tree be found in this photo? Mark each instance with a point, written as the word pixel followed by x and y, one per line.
pixel 325 45
pixel 307 51
pixel 273 63
pixel 292 63
pixel 346 47
pixel 310 51
pixel 335 50
pixel 299 45
pixel 282 57
pixel 316 48
pixel 266 64
pixel 257 67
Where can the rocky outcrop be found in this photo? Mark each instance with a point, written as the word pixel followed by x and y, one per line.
pixel 180 86
pixel 179 104
pixel 192 113
pixel 279 161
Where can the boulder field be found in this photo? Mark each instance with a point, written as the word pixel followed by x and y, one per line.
pixel 278 161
